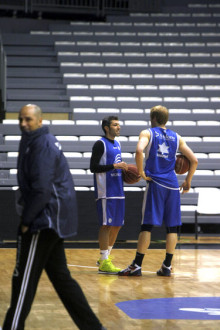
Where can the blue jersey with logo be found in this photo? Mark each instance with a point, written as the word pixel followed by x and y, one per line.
pixel 109 184
pixel 160 157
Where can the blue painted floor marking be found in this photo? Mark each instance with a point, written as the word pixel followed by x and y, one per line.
pixel 182 308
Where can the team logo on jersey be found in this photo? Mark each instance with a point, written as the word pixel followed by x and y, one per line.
pixel 58 145
pixel 162 150
pixel 164 136
pixel 117 158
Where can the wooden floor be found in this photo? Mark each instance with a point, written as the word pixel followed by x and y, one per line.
pixel 196 273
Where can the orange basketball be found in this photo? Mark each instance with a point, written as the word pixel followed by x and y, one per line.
pixel 131 175
pixel 182 164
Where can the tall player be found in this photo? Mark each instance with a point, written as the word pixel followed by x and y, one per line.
pixel 162 196
pixel 107 166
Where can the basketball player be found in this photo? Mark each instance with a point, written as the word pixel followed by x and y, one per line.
pixel 48 215
pixel 106 164
pixel 162 196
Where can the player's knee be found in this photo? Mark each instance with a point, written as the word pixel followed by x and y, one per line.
pixel 172 230
pixel 147 228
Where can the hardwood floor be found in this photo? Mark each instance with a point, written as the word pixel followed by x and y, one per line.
pixel 196 273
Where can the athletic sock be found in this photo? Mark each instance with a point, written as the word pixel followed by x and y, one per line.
pixel 168 259
pixel 110 249
pixel 138 259
pixel 103 254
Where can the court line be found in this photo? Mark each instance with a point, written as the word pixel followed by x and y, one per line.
pixel 143 271
pixel 82 266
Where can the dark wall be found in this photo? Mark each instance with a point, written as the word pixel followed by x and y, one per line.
pixel 88 222
pixel 22 25
pixel 9 219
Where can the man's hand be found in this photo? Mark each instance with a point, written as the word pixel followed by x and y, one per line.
pixel 122 166
pixel 185 187
pixel 147 178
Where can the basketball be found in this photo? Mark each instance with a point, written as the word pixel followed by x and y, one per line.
pixel 131 175
pixel 182 164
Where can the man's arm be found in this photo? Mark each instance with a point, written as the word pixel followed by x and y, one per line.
pixel 144 138
pixel 186 151
pixel 42 167
pixel 97 152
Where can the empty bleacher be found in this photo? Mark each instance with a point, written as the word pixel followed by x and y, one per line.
pixel 80 72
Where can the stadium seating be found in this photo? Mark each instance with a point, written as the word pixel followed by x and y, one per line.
pixel 83 71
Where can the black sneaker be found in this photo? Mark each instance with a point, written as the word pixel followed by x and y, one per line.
pixel 164 271
pixel 132 270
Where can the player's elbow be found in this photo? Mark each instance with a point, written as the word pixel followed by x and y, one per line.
pixel 194 162
pixel 92 169
pixel 139 152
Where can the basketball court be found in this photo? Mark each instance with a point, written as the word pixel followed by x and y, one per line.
pixel 190 299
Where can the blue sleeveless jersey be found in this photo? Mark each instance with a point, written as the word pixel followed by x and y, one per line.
pixel 109 184
pixel 160 157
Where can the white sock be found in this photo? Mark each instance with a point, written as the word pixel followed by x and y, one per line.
pixel 104 254
pixel 110 249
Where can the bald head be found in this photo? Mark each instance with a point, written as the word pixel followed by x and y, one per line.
pixel 159 115
pixel 30 117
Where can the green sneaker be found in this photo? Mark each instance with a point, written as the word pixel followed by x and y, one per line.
pixel 107 267
pixel 98 262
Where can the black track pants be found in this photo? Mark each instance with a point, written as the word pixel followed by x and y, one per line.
pixel 35 252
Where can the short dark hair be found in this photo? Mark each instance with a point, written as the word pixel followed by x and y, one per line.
pixel 107 121
pixel 160 113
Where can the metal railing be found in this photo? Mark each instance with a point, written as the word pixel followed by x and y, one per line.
pixel 95 7
pixel 3 75
pixel 66 6
pixel 15 5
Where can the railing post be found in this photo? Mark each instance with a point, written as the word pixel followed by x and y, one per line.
pixel 3 66
pixel 26 6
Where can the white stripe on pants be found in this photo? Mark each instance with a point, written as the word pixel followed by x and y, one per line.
pixel 25 281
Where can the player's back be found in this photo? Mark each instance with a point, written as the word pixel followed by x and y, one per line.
pixel 161 156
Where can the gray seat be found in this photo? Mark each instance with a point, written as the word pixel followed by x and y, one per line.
pixel 208 207
pixel 132 130
pixel 4 174
pixel 145 116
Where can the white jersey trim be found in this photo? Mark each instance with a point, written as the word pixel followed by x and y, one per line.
pixel 148 147
pixel 115 197
pixel 165 186
pixel 178 141
pixel 144 203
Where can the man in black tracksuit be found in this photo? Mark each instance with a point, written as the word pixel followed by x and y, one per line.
pixel 48 215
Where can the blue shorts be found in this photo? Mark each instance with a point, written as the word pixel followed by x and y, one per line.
pixel 161 204
pixel 111 211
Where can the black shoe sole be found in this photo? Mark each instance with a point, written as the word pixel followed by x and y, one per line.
pixel 159 273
